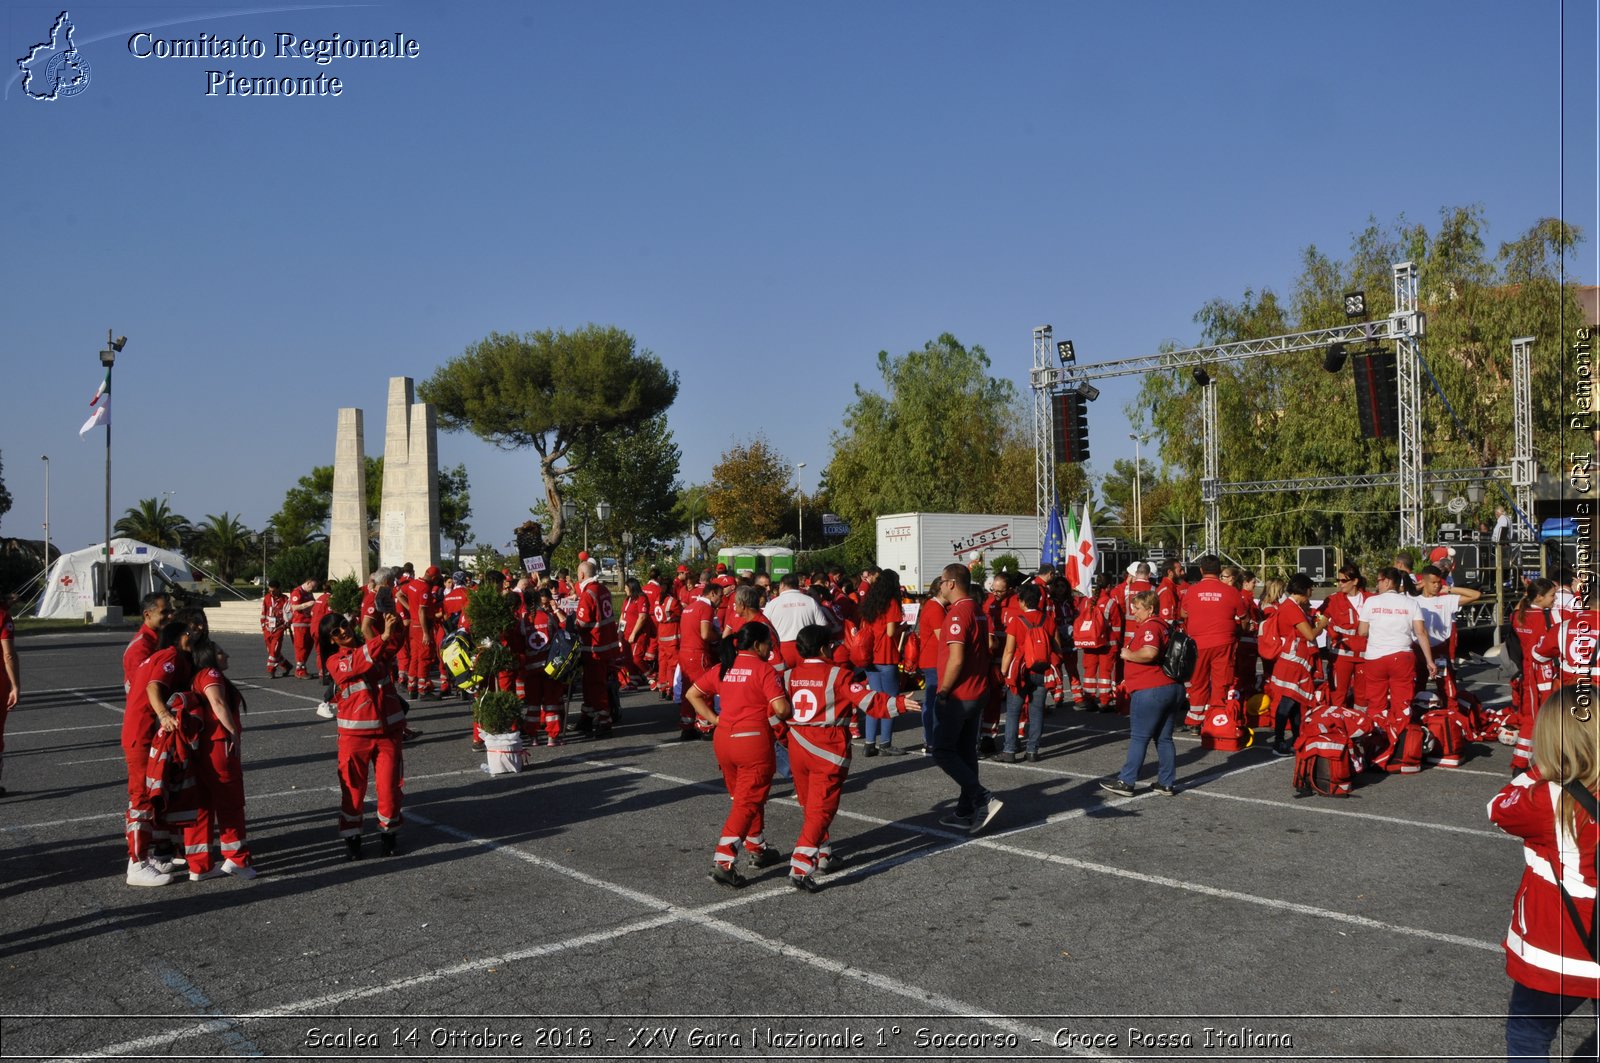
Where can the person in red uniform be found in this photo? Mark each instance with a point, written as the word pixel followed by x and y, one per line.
pixel 753 700
pixel 883 622
pixel 668 617
pixel 698 634
pixel 1568 648
pixel 371 721
pixel 1247 658
pixel 166 672
pixel 1155 701
pixel 1102 665
pixel 422 605
pixel 544 697
pixel 319 609
pixel 1212 612
pixel 1169 592
pixel 1535 681
pixel 302 599
pixel 156 609
pixel 274 627
pixel 599 648
pixel 1342 608
pixel 930 622
pixel 218 771
pixel 963 690
pixel 638 633
pixel 1391 622
pixel 1550 808
pixel 10 675
pixel 1024 699
pixel 1292 688
pixel 823 696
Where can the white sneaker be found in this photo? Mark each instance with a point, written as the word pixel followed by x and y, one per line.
pixel 140 873
pixel 325 710
pixel 165 865
pixel 201 876
pixel 244 871
pixel 984 813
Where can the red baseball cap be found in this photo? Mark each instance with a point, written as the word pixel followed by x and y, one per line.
pixel 683 568
pixel 721 567
pixel 583 555
pixel 431 574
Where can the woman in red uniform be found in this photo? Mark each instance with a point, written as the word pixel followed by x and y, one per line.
pixel 1342 608
pixel 1552 808
pixel 825 696
pixel 166 672
pixel 752 701
pixel 1529 621
pixel 371 719
pixel 1292 688
pixel 884 620
pixel 219 771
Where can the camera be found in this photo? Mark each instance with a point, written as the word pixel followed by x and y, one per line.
pixel 383 600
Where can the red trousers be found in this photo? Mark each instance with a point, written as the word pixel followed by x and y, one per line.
pixel 140 823
pixel 302 645
pixel 274 641
pixel 356 756
pixel 219 782
pixel 1100 674
pixel 424 661
pixel 666 663
pixel 1349 682
pixel 1213 675
pixel 1391 683
pixel 543 708
pixel 818 784
pixel 597 680
pixel 748 762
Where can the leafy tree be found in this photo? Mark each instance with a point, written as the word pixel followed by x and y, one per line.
pixel 307 505
pixel 224 542
pixel 947 437
pixel 455 506
pixel 152 521
pixel 5 496
pixel 1285 417
pixel 299 563
pixel 690 511
pixel 552 391
pixel 635 470
pixel 748 491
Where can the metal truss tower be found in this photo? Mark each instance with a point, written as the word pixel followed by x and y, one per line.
pixel 1406 327
pixel 1524 468
pixel 1044 456
pixel 1209 445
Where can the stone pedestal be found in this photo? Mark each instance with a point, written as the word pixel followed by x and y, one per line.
pixel 347 534
pixel 408 520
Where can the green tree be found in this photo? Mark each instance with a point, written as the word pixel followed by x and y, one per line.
pixel 689 511
pixel 303 517
pixel 634 469
pixel 5 496
pixel 751 486
pixel 946 437
pixel 552 391
pixel 455 506
pixel 224 543
pixel 152 521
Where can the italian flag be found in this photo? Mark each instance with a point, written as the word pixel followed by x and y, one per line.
pixel 102 406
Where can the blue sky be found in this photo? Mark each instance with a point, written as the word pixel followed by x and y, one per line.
pixel 764 195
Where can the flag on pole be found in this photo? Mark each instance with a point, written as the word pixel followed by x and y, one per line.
pixel 102 406
pixel 1069 556
pixel 1085 554
pixel 1054 550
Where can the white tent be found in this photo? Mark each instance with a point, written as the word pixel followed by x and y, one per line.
pixel 79 582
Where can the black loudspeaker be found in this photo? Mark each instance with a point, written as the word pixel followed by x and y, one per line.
pixel 1377 398
pixel 1333 358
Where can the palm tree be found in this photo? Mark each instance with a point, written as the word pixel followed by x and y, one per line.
pixel 153 522
pixel 225 542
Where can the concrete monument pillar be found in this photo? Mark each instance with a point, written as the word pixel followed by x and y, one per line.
pixel 394 512
pixel 422 496
pixel 347 534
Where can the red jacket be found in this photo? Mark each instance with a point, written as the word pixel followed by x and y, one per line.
pixel 1544 950
pixel 364 694
pixel 596 622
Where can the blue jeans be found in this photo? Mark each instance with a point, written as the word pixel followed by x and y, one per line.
pixel 885 679
pixel 1153 713
pixel 1034 695
pixel 1534 1018
pixel 955 748
pixel 930 684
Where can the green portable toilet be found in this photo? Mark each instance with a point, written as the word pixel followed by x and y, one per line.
pixel 741 560
pixel 778 561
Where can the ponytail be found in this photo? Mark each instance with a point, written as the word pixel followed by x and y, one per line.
pixel 1536 589
pixel 746 638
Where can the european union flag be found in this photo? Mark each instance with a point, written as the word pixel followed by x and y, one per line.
pixel 1054 548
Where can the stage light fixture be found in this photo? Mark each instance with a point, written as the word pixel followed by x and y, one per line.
pixel 1065 352
pixel 1355 304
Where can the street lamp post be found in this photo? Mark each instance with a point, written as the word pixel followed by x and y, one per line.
pixel 1138 485
pixel 800 505
pixel 108 358
pixel 46 459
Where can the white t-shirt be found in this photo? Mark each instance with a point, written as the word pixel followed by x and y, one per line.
pixel 1389 617
pixel 792 610
pixel 1439 614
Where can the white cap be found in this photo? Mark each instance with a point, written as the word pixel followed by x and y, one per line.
pixel 1133 568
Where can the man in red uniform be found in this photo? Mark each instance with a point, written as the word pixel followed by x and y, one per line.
pixel 422 604
pixel 145 715
pixel 302 600
pixel 1097 632
pixel 157 610
pixel 273 628
pixel 599 650
pixel 1169 592
pixel 699 634
pixel 1212 612
pixel 963 689
pixel 667 614
pixel 638 633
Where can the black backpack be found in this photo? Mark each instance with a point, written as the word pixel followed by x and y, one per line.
pixel 1177 659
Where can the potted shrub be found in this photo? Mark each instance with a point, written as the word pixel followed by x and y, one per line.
pixel 499 717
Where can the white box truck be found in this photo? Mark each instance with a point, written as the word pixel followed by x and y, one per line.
pixel 919 545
